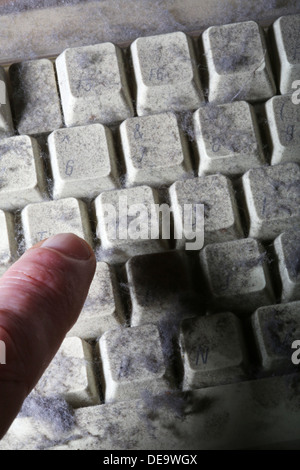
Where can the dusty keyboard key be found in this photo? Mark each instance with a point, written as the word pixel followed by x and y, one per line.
pixel 287 249
pixel 227 139
pixel 103 309
pixel 22 179
pixel 155 150
pixel 6 124
pixel 272 199
pixel 166 74
pixel 8 244
pixel 238 63
pixel 161 289
pixel 128 223
pixel 286 32
pixel 82 161
pixel 70 375
pixel 93 85
pixel 275 328
pixel 221 216
pixel 212 350
pixel 283 117
pixel 41 221
pixel 132 362
pixel 35 97
pixel 237 276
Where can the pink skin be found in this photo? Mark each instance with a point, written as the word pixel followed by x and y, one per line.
pixel 41 296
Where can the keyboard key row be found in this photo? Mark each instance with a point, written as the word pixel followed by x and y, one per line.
pixel 94 85
pixel 165 288
pixel 84 160
pixel 136 220
pixel 133 361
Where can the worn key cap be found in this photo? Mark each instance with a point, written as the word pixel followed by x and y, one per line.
pixel 227 139
pixel 35 97
pixel 283 118
pixel 93 85
pixel 155 150
pixel 213 351
pixel 6 124
pixel 166 74
pixel 70 375
pixel 22 179
pixel 43 220
pixel 133 362
pixel 238 63
pixel 237 275
pixel 103 309
pixel 221 216
pixel 275 328
pixel 272 199
pixel 82 161
pixel 287 39
pixel 128 223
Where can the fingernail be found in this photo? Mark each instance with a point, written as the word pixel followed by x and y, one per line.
pixel 70 245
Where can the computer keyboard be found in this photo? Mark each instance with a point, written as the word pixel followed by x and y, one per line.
pixel 178 346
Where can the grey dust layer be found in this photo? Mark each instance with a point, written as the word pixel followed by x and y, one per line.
pixel 171 350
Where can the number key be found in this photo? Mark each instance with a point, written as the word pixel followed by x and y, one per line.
pixel 166 74
pixel 93 85
pixel 284 122
pixel 82 160
pixel 227 138
pixel 155 150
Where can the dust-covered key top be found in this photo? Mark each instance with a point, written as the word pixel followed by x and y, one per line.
pixel 93 85
pixel 227 139
pixel 166 74
pixel 43 220
pixel 283 118
pixel 272 197
pixel 70 375
pixel 8 244
pixel 287 249
pixel 212 350
pixel 221 216
pixel 103 308
pixel 155 150
pixel 238 63
pixel 83 161
pixel 22 179
pixel 6 124
pixel 132 361
pixel 237 275
pixel 35 97
pixel 276 330
pixel 128 224
pixel 286 34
